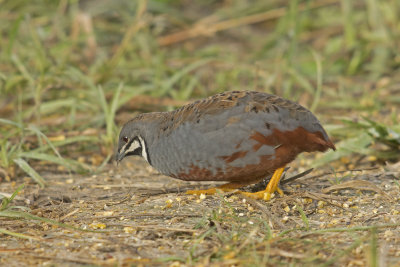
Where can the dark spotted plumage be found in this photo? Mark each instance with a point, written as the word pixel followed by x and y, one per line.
pixel 239 136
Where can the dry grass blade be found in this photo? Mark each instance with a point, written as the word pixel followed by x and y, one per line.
pixel 74 260
pixel 288 254
pixel 19 235
pixel 358 185
pixel 356 228
pixel 323 174
pixel 155 228
pixel 132 30
pixel 14 249
pixel 264 209
pixel 3 173
pixel 69 214
pixel 27 216
pixel 250 236
pixel 205 30
pixel 297 176
pixel 323 197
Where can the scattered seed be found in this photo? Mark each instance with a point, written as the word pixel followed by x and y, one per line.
pixel 287 209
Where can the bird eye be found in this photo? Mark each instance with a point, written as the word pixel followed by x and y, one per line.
pixel 125 139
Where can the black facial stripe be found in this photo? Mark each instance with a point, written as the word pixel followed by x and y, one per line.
pixel 137 152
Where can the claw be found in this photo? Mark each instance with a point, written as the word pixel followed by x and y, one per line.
pixel 272 187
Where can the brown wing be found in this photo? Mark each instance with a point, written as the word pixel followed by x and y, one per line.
pixel 249 102
pixel 213 105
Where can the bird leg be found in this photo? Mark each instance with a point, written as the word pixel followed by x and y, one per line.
pixel 225 188
pixel 271 187
pixel 264 194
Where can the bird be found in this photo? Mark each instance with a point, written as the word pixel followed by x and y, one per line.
pixel 240 137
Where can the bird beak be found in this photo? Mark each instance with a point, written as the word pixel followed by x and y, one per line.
pixel 119 157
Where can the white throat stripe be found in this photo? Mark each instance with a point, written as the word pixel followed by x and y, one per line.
pixel 144 149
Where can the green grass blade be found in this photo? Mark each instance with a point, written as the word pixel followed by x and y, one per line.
pixel 344 252
pixel 303 217
pixel 317 94
pixel 6 201
pixel 373 247
pixel 13 123
pixel 345 148
pixel 30 171
pixel 104 163
pixel 169 83
pixel 50 107
pixel 7 232
pixel 110 125
pixel 39 133
pixel 67 163
pixel 13 33
pixel 103 101
pixel 22 69
pixel 304 83
pixel 76 139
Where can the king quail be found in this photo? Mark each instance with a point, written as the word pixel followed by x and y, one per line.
pixel 239 136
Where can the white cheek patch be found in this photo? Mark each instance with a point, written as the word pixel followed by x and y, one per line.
pixel 135 144
pixel 144 149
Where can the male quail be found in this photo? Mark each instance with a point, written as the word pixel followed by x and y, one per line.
pixel 239 136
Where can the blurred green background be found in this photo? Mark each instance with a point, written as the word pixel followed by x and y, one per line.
pixel 71 72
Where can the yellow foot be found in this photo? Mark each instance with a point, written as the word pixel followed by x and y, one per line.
pixel 210 191
pixel 271 187
pixel 265 195
pixel 225 188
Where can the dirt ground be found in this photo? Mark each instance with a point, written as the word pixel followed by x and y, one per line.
pixel 137 217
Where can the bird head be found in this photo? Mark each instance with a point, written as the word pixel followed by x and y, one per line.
pixel 131 143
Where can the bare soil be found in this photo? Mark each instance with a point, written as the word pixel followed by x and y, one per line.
pixel 137 217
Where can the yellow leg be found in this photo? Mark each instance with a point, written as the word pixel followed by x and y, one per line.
pixel 225 188
pixel 271 187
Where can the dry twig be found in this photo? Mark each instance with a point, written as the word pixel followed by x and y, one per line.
pixel 202 29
